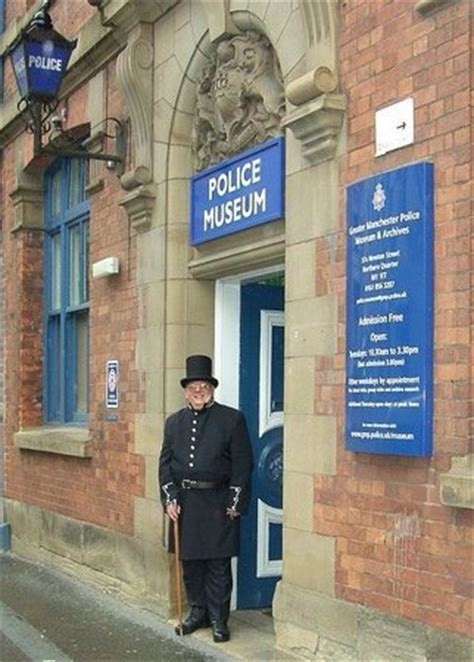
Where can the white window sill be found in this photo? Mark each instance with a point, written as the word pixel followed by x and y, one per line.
pixel 59 440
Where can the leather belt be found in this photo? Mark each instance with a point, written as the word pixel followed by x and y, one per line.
pixel 189 484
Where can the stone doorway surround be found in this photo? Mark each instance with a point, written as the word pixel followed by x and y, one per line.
pixel 177 282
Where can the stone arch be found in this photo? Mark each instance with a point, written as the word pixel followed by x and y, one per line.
pixel 302 35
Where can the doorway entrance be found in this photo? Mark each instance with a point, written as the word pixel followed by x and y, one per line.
pixel 249 361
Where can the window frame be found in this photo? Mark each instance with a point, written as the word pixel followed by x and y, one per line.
pixel 60 324
pixel 2 30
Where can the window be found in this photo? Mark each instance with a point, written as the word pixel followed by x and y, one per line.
pixel 66 293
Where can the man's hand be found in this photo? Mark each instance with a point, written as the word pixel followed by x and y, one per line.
pixel 232 513
pixel 173 510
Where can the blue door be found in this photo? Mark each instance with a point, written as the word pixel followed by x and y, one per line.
pixel 261 399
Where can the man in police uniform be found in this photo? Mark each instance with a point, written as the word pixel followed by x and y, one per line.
pixel 204 474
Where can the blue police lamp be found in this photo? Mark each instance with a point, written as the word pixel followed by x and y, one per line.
pixel 40 57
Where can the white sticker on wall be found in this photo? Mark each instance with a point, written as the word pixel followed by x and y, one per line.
pixel 394 126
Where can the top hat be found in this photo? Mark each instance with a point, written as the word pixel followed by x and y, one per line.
pixel 198 368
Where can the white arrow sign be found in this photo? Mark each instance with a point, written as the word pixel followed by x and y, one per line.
pixel 394 126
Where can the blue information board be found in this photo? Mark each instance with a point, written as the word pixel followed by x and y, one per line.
pixel 389 305
pixel 239 193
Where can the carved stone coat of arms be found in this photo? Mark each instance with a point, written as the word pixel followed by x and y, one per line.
pixel 239 100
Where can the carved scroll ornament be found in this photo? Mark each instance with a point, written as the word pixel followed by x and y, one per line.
pixel 239 99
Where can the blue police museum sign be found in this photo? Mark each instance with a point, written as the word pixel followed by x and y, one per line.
pixel 389 326
pixel 239 193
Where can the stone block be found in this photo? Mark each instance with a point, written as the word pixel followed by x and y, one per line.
pixel 299 385
pixel 151 474
pixel 98 548
pixel 310 443
pixel 298 493
pixel 149 520
pixel 164 38
pixel 154 390
pixel 25 521
pixel 309 560
pixel 457 486
pixel 385 637
pixel 311 326
pixel 333 650
pixel 185 47
pixel 296 639
pixel 178 250
pixel 443 645
pixel 58 440
pixel 200 303
pixel 62 535
pixel 148 433
pixel 149 343
pixel 178 201
pixel 176 335
pixel 276 21
pixel 180 164
pixel 300 283
pixel 312 203
pixel 291 48
pixel 153 298
pixel 129 564
pixel 151 252
pixel 327 616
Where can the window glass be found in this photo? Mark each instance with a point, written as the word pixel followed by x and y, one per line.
pixel 75 265
pixel 85 262
pixel 54 365
pixel 56 271
pixel 76 187
pixel 82 357
pixel 56 194
pixel 67 306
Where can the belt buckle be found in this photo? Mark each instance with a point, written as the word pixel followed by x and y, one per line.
pixel 187 483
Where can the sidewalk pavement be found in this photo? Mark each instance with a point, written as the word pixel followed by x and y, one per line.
pixel 49 616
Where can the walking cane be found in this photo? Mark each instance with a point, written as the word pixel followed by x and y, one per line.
pixel 178 577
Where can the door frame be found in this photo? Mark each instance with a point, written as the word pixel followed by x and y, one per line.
pixel 227 348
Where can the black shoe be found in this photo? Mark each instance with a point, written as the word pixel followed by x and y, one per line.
pixel 220 632
pixel 196 619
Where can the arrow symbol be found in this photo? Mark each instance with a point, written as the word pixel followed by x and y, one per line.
pixel 403 125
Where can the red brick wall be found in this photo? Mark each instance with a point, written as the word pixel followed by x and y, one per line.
pixel 100 489
pixel 398 548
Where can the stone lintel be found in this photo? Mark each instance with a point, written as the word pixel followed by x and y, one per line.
pixel 457 485
pixel 255 254
pixel 60 440
pixel 427 7
pixel 317 124
pixel 126 14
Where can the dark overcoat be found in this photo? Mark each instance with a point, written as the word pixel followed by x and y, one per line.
pixel 210 445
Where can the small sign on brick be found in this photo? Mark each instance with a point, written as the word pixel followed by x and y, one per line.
pixel 394 126
pixel 112 384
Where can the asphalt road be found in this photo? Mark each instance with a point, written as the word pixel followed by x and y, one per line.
pixel 47 616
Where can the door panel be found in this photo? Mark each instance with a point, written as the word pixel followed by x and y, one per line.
pixel 261 399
